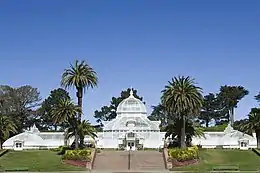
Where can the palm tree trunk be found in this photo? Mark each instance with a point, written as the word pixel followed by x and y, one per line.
pixel 207 123
pixel 232 116
pixel 183 144
pixel 76 139
pixel 257 132
pixel 79 95
pixel 81 143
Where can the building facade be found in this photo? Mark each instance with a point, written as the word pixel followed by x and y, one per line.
pixel 130 130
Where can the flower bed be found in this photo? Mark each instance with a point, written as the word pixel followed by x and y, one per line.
pixel 183 157
pixel 83 155
pixel 77 157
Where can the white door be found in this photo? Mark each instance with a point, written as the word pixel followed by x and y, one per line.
pixel 130 146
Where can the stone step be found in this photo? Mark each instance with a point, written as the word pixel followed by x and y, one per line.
pixel 147 160
pixel 111 160
pixel 139 160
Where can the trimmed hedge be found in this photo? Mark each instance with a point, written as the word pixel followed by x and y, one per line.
pixel 217 128
pixel 182 155
pixel 22 169
pixel 83 155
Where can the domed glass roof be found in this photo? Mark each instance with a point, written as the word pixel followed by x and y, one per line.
pixel 131 105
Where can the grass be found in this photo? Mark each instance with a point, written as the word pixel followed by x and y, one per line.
pixel 210 158
pixel 35 160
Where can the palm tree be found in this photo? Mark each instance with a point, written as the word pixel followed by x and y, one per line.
pixel 81 76
pixel 83 129
pixel 7 126
pixel 183 98
pixel 252 124
pixel 65 111
pixel 191 129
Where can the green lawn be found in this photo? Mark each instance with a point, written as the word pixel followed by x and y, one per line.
pixel 209 158
pixel 35 160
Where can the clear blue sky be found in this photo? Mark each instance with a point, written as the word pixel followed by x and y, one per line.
pixel 138 43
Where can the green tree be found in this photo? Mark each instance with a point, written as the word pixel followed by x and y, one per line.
pixel 83 129
pixel 80 76
pixel 240 124
pixel 107 113
pixel 7 126
pixel 210 109
pixel 159 113
pixel 183 98
pixel 252 124
pixel 65 111
pixel 191 129
pixel 257 97
pixel 19 104
pixel 229 96
pixel 50 102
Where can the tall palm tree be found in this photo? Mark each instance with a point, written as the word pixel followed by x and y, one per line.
pixel 65 111
pixel 183 98
pixel 7 126
pixel 80 76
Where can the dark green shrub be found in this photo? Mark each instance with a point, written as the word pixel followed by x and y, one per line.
pixel 63 149
pixel 55 149
pixel 181 155
pixel 84 155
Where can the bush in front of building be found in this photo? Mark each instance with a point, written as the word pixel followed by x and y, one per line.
pixel 181 155
pixel 63 149
pixel 83 155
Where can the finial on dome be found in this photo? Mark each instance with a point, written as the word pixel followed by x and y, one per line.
pixel 131 92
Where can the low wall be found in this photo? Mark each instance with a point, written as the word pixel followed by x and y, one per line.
pixel 168 164
pixel 90 164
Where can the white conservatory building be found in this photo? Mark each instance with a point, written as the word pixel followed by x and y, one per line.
pixel 130 130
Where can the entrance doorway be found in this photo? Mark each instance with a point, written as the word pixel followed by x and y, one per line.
pixel 130 145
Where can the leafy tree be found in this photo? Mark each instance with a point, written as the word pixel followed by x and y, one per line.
pixel 229 96
pixel 159 113
pixel 210 109
pixel 80 76
pixel 18 104
pixel 183 98
pixel 66 111
pixel 50 102
pixel 107 113
pixel 7 126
